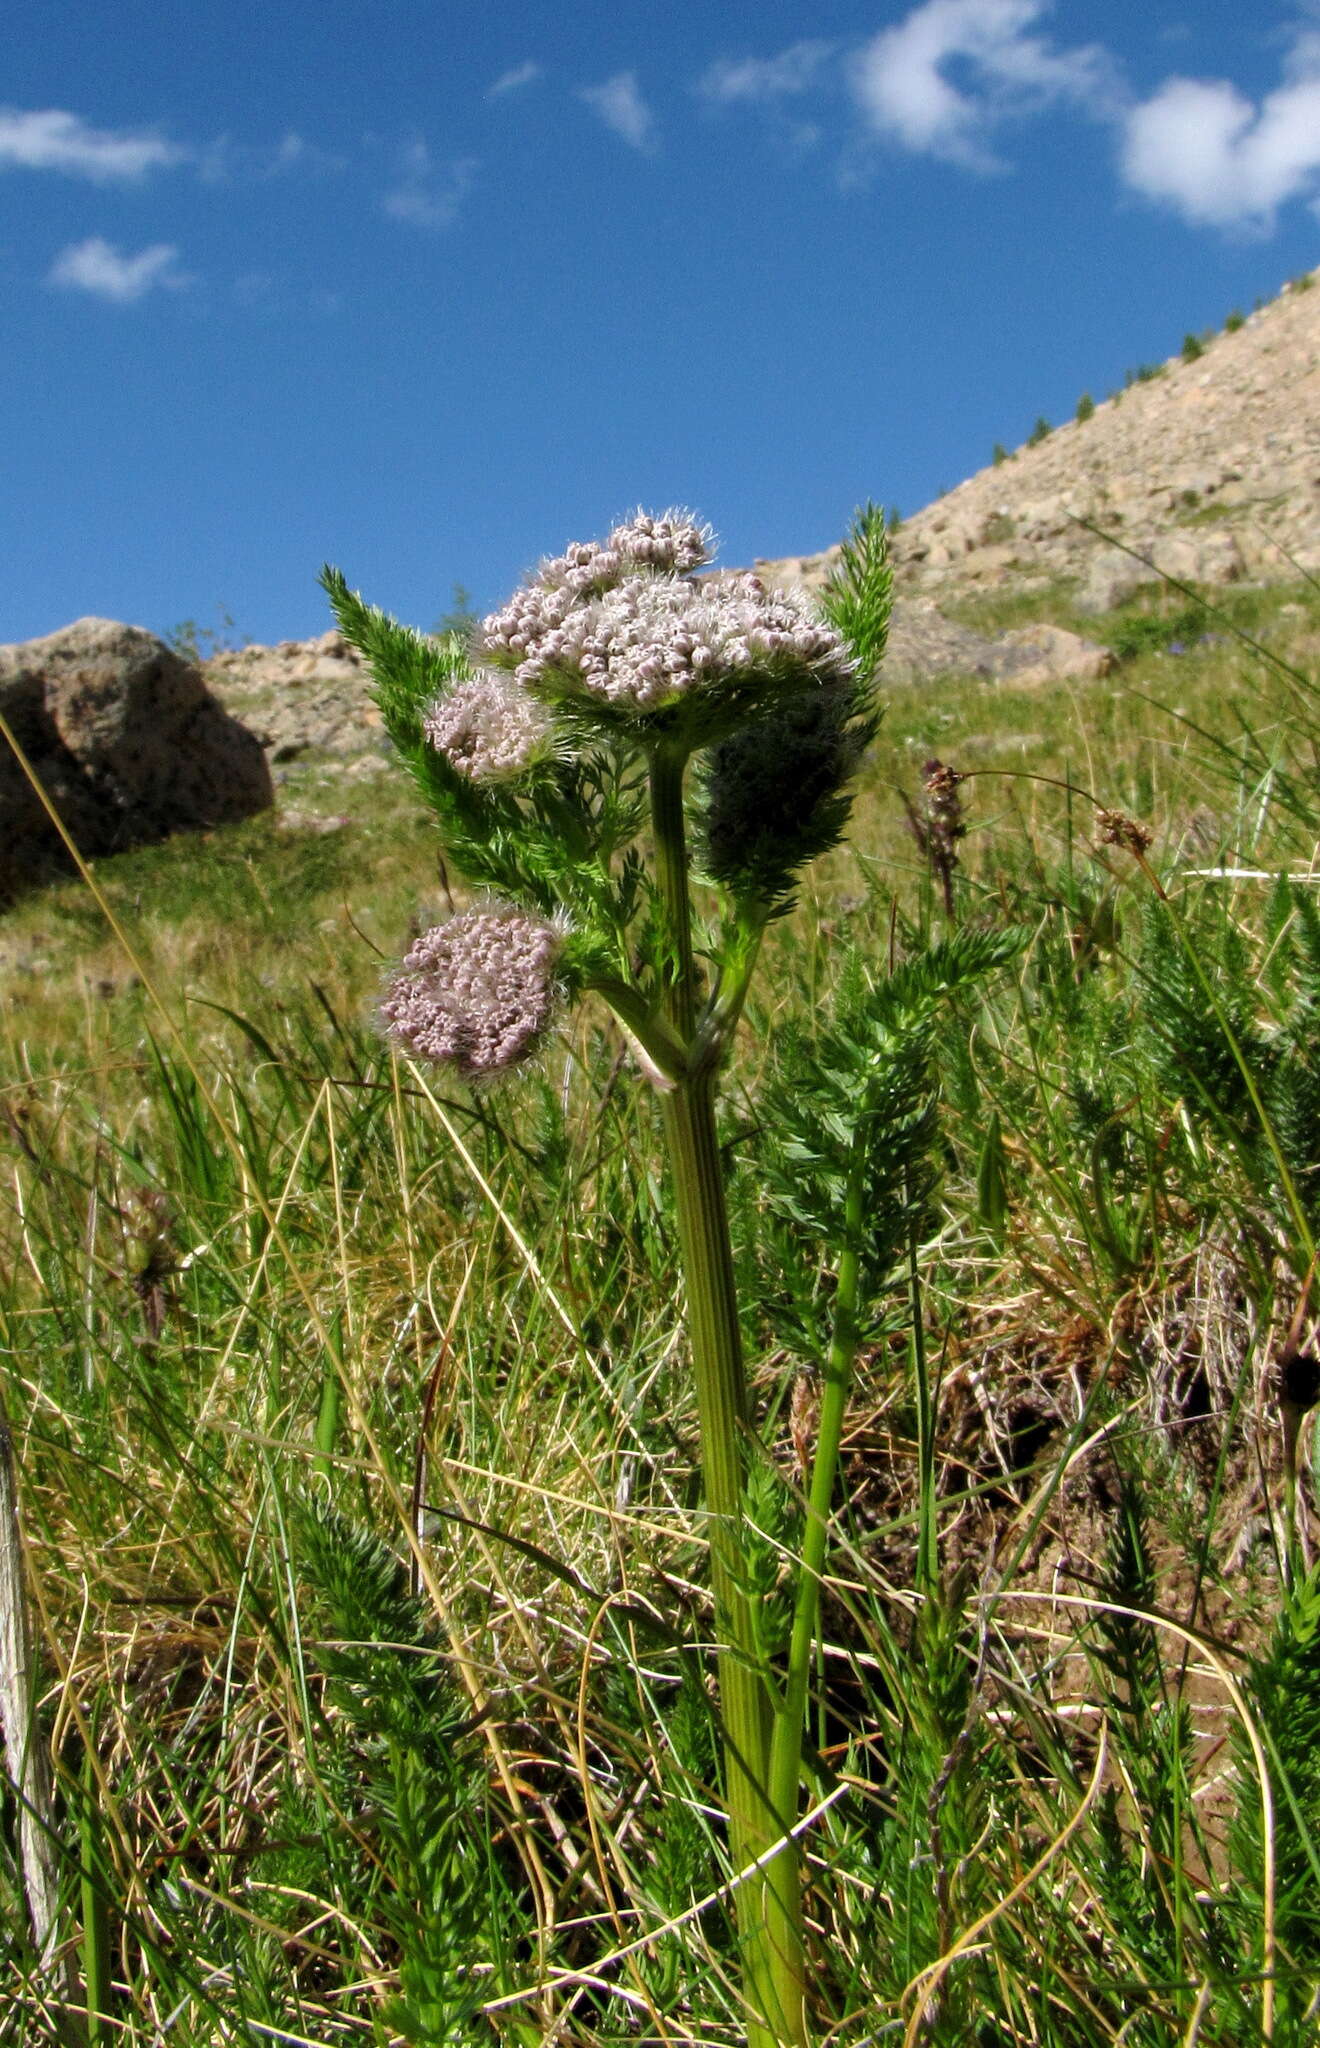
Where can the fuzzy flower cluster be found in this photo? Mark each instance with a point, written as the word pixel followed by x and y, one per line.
pixel 478 992
pixel 651 640
pixel 654 543
pixel 488 728
pixel 666 543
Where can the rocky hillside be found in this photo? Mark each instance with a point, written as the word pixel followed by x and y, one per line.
pixel 1210 467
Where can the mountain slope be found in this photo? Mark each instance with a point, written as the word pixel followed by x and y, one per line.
pixel 1211 467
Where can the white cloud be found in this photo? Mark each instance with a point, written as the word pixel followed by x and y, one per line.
pixel 514 80
pixel 622 108
pixel 98 267
pixel 1202 148
pixel 226 162
pixel 428 195
pixel 750 79
pixel 51 140
pixel 901 84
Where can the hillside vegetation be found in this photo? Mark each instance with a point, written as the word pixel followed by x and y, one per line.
pixel 356 1442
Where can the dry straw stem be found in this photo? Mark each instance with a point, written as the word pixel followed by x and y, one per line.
pixel 25 1754
pixel 596 1826
pixel 925 1985
pixel 1224 1675
pixel 687 1917
pixel 608 1392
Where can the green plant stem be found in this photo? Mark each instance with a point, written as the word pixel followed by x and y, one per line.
pixel 772 1979
pixel 927 1576
pixel 671 868
pixel 785 1883
pixel 96 1949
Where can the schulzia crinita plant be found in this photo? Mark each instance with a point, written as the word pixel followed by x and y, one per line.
pixel 620 726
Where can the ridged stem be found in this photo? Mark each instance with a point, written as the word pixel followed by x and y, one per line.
pixel 772 1968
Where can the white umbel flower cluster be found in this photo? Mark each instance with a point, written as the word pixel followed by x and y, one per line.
pixel 649 543
pixel 666 543
pixel 478 992
pixel 649 641
pixel 623 622
pixel 488 727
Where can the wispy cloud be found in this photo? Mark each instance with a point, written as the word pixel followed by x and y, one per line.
pixel 53 140
pixel 750 80
pixel 622 108
pixel 98 267
pixel 901 78
pixel 429 195
pixel 514 80
pixel 226 162
pixel 1214 156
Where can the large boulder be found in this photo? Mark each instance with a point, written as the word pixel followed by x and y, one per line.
pixel 127 740
pixel 923 645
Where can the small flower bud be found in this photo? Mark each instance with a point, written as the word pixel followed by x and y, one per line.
pixel 478 992
pixel 671 542
pixel 488 728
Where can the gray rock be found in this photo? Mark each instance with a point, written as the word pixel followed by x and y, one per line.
pixel 127 742
pixel 1199 558
pixel 1112 580
pixel 300 697
pixel 1052 655
pixel 924 644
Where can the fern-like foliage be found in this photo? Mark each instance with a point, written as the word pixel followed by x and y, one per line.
pixel 858 599
pixel 857 1100
pixel 924 1845
pixel 562 839
pixel 1283 1692
pixel 1152 1736
pixel 1190 1039
pixel 1244 1051
pixel 775 794
pixel 1292 1083
pixel 412 1770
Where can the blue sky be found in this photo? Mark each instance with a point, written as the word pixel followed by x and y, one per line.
pixel 428 290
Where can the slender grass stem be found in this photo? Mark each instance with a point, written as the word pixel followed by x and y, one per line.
pixel 928 1553
pixel 784 1873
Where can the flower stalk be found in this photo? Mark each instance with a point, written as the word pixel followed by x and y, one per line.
pixel 545 749
pixel 772 1953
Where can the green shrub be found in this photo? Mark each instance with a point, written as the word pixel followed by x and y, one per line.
pixel 1040 432
pixel 1153 633
pixel 1234 321
pixel 1085 408
pixel 1193 348
pixel 998 454
pixel 195 642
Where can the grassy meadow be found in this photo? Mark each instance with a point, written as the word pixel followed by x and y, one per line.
pixel 355 1437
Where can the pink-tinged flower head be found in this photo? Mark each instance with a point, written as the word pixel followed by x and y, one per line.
pixel 657 543
pixel 488 728
pixel 510 634
pixel 653 640
pixel 478 992
pixel 670 542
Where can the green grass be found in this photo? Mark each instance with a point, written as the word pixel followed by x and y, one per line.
pixel 356 1443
